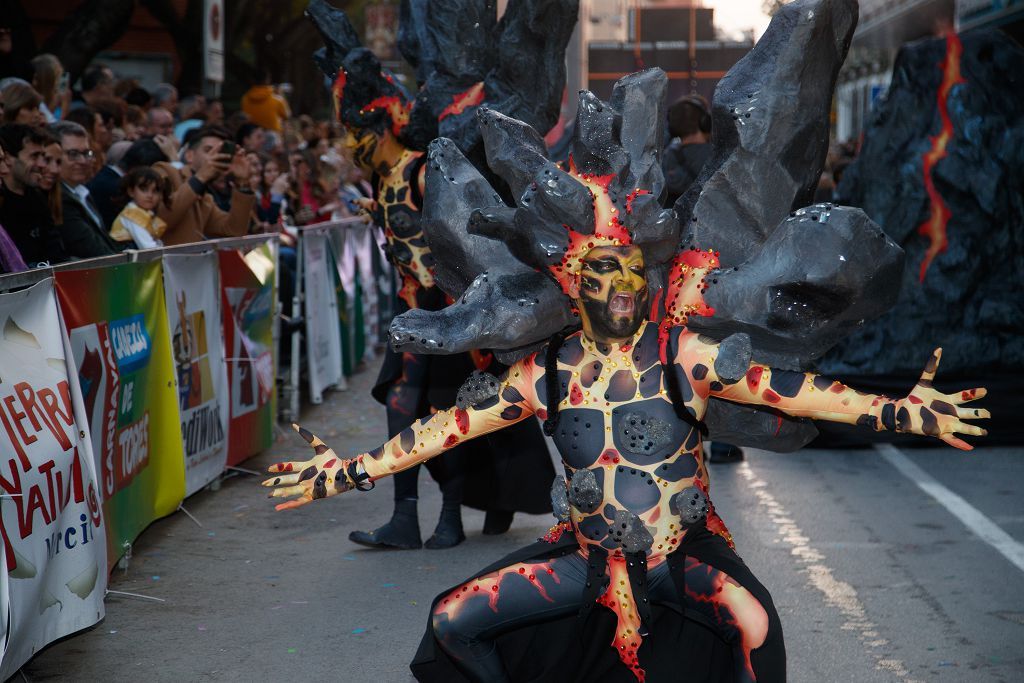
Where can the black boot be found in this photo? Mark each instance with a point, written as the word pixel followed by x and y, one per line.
pixel 448 532
pixel 497 522
pixel 402 532
pixel 724 453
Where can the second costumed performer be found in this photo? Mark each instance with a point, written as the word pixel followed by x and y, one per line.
pixel 452 46
pixel 625 399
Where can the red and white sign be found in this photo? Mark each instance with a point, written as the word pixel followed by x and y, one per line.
pixel 213 40
pixel 54 556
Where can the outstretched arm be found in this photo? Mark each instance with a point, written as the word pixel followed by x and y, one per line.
pixel 924 411
pixel 507 401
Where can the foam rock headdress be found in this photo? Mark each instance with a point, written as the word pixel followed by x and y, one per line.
pixel 511 266
pixel 769 280
pixel 463 57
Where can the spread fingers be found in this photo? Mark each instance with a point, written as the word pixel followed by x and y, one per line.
pixel 288 491
pixel 283 480
pixel 286 466
pixel 292 504
pixel 968 395
pixel 972 413
pixel 956 442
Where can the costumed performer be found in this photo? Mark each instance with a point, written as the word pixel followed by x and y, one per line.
pixel 452 47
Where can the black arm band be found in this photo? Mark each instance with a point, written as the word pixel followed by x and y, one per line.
pixel 359 477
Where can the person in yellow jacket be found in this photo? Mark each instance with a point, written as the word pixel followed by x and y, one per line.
pixel 264 106
pixel 138 221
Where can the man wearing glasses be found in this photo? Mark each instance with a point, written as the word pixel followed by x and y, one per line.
pixel 84 231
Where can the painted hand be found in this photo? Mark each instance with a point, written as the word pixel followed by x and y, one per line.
pixel 366 205
pixel 324 475
pixel 930 412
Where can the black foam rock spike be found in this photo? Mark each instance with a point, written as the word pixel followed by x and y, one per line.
pixel 770 130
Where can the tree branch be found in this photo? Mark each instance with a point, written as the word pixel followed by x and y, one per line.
pixel 163 11
pixel 187 34
pixel 93 26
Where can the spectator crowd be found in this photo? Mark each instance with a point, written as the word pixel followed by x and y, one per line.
pixel 110 165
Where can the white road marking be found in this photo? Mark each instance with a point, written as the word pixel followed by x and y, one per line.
pixel 971 517
pixel 838 594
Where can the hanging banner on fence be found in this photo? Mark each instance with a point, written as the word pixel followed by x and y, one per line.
pixel 120 345
pixel 323 336
pixel 54 545
pixel 192 290
pixel 353 248
pixel 247 288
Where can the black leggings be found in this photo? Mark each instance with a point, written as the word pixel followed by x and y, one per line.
pixel 405 403
pixel 718 586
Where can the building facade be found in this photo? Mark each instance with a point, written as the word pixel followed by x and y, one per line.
pixel 617 37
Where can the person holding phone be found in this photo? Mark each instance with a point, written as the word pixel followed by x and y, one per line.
pixel 192 214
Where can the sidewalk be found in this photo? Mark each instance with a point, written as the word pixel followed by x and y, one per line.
pixel 259 595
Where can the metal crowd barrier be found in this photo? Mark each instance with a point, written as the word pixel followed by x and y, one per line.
pixel 15 281
pixel 290 377
pixel 27 278
pixel 111 412
pixel 300 327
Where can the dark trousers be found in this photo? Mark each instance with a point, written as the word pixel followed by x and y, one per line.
pixel 705 578
pixel 406 401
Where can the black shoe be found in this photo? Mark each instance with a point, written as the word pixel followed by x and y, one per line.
pixel 724 453
pixel 448 532
pixel 402 532
pixel 497 522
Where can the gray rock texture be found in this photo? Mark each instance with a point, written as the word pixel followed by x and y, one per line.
pixel 971 299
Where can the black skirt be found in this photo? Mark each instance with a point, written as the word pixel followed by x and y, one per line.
pixel 510 470
pixel 680 647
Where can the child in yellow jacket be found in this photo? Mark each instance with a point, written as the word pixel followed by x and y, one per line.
pixel 138 221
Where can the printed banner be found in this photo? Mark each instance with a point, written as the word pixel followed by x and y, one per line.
pixel 323 335
pixel 120 345
pixel 192 287
pixel 353 249
pixel 54 545
pixel 248 296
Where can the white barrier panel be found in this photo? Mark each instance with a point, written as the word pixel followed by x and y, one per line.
pixel 192 289
pixel 55 551
pixel 323 334
pixel 353 247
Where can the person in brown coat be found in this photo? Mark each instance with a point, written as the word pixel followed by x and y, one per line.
pixel 192 215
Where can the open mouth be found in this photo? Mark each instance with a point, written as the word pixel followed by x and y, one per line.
pixel 622 303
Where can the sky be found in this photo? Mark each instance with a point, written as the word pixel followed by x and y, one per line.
pixel 735 16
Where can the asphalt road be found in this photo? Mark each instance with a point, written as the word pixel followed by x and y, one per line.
pixel 873 575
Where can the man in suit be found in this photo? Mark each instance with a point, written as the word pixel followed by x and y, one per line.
pixel 105 186
pixel 84 232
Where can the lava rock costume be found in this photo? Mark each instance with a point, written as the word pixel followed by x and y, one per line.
pixel 629 398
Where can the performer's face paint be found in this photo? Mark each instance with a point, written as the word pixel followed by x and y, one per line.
pixel 611 294
pixel 361 143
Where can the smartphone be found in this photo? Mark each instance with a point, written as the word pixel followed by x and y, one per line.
pixel 62 84
pixel 228 148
